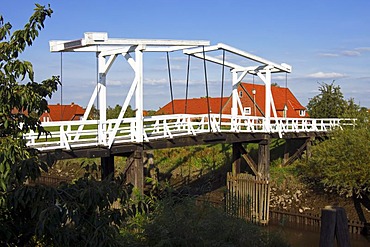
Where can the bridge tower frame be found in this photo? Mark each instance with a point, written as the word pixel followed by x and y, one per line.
pixel 107 50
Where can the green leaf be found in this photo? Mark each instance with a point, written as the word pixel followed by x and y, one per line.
pixel 2 185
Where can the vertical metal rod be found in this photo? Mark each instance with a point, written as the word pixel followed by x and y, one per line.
pixel 61 86
pixel 170 80
pixel 222 84
pixel 187 84
pixel 206 82
pixel 97 80
pixel 97 96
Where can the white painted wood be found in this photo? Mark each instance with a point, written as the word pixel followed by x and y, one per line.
pixel 171 126
pixel 139 102
pixel 106 132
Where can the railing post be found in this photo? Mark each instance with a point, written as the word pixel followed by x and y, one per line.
pixel 62 139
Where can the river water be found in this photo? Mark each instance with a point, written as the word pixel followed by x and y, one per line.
pixel 307 236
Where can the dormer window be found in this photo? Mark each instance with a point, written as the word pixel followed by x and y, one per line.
pixel 302 113
pixel 240 94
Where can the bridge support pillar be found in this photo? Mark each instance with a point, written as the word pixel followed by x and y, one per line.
pixel 139 171
pixel 263 165
pixel 308 148
pixel 287 145
pixel 236 158
pixel 107 166
pixel 135 170
pixel 294 148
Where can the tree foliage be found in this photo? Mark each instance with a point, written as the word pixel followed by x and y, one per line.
pixel 329 103
pixel 72 214
pixel 21 102
pixel 113 112
pixel 76 214
pixel 342 163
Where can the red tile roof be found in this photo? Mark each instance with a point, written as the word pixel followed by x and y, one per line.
pixel 282 96
pixel 63 113
pixel 194 106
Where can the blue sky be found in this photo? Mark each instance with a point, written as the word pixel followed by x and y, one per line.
pixel 323 40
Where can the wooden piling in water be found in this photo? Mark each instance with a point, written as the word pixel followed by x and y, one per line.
pixel 327 230
pixel 334 224
pixel 341 230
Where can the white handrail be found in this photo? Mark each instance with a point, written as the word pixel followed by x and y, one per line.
pixel 76 134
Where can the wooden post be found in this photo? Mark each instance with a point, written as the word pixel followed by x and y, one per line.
pixel 236 158
pixel 107 166
pixel 308 148
pixel 334 224
pixel 263 165
pixel 134 170
pixel 341 230
pixel 286 151
pixel 151 170
pixel 139 181
pixel 327 230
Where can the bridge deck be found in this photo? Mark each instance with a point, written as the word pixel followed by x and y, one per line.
pixel 182 129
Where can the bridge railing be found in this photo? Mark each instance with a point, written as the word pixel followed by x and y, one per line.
pixel 64 135
pixel 76 134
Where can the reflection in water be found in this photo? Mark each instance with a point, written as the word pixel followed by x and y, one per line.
pixel 307 236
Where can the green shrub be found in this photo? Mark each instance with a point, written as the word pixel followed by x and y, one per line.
pixel 185 222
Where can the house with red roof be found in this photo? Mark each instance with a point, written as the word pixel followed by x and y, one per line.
pixel 193 106
pixel 60 112
pixel 252 99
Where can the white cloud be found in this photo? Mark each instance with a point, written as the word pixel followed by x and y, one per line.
pixel 328 55
pixel 356 52
pixel 174 58
pixel 363 49
pixel 176 67
pixel 326 75
pixel 115 83
pixel 351 53
pixel 182 58
pixel 165 81
pixel 280 77
pixel 154 81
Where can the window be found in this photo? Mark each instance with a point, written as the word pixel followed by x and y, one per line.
pixel 302 113
pixel 240 94
pixel 247 111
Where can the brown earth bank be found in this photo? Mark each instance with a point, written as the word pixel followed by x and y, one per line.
pixel 291 195
pixel 299 198
pixel 288 193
